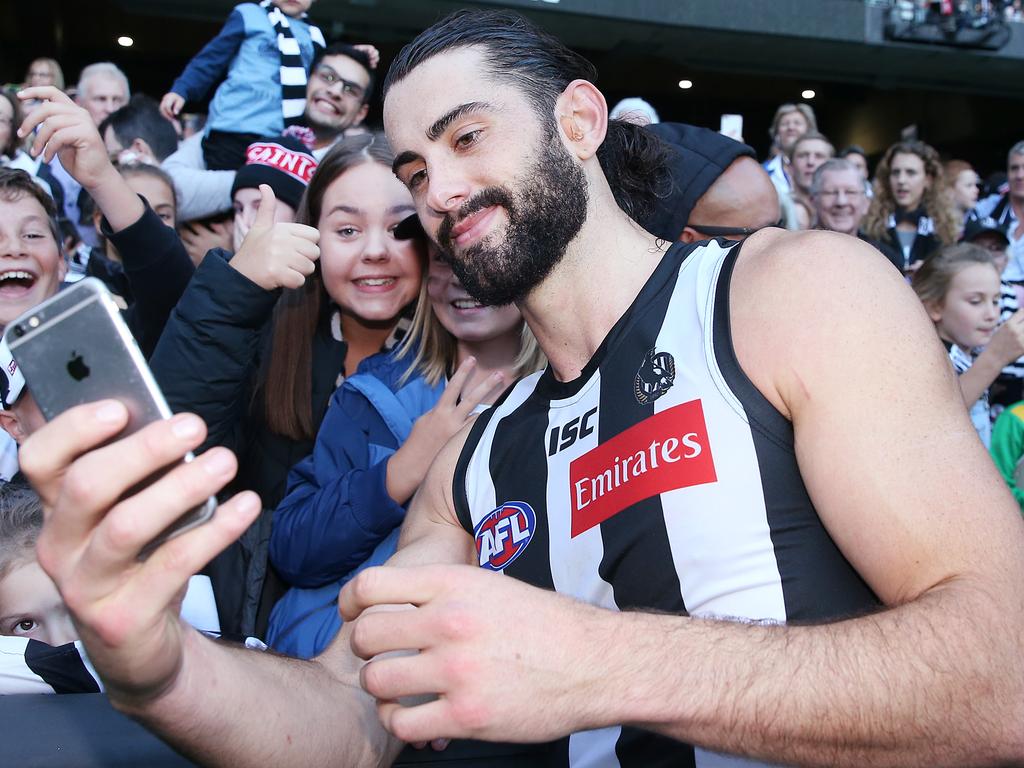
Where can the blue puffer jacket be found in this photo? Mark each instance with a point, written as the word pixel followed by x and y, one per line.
pixel 337 516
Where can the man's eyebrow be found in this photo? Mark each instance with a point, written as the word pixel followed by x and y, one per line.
pixel 404 208
pixel 402 159
pixel 439 126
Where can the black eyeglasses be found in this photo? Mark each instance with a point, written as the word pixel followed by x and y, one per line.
pixel 713 231
pixel 330 78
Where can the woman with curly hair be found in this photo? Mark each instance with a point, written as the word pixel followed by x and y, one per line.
pixel 911 208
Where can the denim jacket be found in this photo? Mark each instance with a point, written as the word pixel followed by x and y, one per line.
pixel 249 99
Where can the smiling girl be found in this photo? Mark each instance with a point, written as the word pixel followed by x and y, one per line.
pixel 959 287
pixel 259 343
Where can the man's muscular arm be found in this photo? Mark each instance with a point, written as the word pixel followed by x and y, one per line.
pixel 219 704
pixel 840 345
pixel 843 348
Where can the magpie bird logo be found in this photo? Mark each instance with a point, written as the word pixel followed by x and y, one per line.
pixel 656 375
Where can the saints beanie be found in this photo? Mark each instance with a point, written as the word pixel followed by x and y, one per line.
pixel 283 163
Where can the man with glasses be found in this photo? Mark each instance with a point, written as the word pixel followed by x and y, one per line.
pixel 840 203
pixel 338 93
pixel 718 189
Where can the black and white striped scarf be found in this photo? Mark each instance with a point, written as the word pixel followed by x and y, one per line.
pixel 293 73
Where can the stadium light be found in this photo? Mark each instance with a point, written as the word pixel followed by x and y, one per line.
pixel 125 42
pixel 808 94
pixel 686 84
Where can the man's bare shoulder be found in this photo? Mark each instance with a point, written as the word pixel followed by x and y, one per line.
pixel 798 300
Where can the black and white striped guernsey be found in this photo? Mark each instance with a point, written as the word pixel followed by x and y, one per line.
pixel 660 478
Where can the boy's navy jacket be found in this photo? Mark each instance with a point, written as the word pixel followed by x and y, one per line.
pixel 337 508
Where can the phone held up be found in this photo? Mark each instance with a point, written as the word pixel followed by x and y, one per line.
pixel 74 348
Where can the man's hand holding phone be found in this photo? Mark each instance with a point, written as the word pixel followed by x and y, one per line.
pixel 126 608
pixel 276 255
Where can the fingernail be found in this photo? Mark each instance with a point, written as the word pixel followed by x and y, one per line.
pixel 217 463
pixel 248 503
pixel 110 412
pixel 186 426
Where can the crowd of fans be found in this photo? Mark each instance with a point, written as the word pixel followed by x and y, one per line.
pixel 272 270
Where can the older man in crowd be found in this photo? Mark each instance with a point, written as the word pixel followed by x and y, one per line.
pixel 840 203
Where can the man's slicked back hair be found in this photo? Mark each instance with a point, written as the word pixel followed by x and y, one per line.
pixel 541 66
pixel 518 52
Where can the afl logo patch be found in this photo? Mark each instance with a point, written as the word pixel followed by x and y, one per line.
pixel 656 375
pixel 504 534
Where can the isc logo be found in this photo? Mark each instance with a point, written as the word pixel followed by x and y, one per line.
pixel 562 437
pixel 504 533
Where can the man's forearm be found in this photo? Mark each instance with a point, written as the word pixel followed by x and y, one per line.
pixel 934 682
pixel 235 707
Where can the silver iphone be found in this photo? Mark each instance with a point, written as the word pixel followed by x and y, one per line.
pixel 74 348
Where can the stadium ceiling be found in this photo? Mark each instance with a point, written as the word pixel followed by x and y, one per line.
pixel 834 40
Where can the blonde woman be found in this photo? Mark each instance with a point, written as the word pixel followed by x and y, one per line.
pixel 346 502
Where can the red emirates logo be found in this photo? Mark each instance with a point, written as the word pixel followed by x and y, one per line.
pixel 667 451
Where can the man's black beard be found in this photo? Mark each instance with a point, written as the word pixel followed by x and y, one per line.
pixel 544 214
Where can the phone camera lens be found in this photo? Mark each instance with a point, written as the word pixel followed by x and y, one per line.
pixel 19 330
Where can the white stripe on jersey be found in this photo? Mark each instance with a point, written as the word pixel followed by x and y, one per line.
pixel 743 578
pixel 574 561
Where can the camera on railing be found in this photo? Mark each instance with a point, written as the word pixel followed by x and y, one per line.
pixel 959 23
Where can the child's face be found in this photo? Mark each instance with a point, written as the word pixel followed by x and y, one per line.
pixel 970 313
pixel 30 606
pixel 293 8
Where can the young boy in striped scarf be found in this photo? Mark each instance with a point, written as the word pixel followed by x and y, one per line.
pixel 266 51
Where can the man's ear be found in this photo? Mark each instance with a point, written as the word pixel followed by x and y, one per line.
pixel 582 116
pixel 690 235
pixel 12 426
pixel 141 148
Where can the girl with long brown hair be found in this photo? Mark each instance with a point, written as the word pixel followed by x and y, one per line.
pixel 262 338
pixel 911 209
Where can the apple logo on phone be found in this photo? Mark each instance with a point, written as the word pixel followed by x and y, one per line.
pixel 77 367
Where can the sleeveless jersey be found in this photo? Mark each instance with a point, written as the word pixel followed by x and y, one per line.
pixel 659 479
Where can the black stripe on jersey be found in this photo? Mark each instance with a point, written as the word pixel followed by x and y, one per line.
pixel 520 441
pixel 61 667
pixel 827 587
pixel 459 497
pixel 550 388
pixel 637 559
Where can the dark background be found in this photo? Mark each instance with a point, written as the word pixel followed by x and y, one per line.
pixel 744 56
